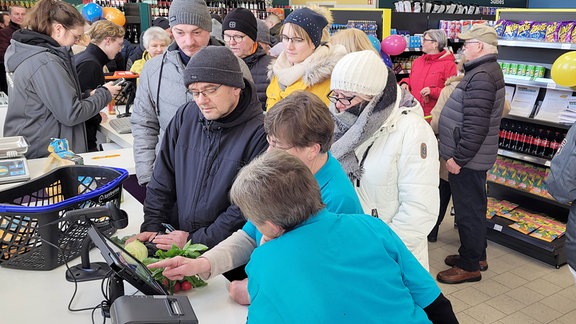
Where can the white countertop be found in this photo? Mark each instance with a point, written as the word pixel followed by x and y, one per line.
pixel 43 296
pixel 124 140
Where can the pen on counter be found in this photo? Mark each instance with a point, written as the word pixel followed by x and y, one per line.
pixel 168 227
pixel 105 156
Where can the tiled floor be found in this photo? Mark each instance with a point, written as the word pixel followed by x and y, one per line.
pixel 516 289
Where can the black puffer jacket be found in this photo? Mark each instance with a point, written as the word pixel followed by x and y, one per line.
pixel 470 121
pixel 258 65
pixel 196 166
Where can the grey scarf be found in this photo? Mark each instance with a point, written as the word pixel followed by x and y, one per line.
pixel 356 125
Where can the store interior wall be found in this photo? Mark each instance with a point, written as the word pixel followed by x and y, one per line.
pixel 551 4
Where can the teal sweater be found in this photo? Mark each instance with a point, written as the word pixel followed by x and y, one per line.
pixel 334 268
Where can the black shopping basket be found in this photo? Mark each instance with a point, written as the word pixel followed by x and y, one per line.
pixel 31 214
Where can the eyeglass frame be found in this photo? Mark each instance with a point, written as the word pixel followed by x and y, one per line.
pixel 424 39
pixel 333 99
pixel 207 93
pixel 233 37
pixel 275 145
pixel 77 38
pixel 470 42
pixel 293 40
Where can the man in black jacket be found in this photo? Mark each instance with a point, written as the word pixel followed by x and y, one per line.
pixel 240 33
pixel 206 143
pixel 469 125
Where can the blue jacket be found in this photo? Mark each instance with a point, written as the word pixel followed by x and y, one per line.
pixel 337 268
pixel 337 192
pixel 196 166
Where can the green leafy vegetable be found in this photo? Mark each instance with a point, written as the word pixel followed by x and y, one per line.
pixel 188 251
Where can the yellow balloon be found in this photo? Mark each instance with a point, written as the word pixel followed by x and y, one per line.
pixel 564 70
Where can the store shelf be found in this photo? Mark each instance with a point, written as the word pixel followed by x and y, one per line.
pixel 552 253
pixel 536 44
pixel 534 82
pixel 529 194
pixel 524 157
pixel 539 122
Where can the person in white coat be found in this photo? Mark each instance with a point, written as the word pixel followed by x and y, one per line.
pixel 386 147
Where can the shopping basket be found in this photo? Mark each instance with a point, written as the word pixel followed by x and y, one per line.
pixel 31 215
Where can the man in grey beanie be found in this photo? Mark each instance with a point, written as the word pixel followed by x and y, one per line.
pixel 160 89
pixel 204 146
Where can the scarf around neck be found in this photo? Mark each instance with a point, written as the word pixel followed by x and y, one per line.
pixel 353 128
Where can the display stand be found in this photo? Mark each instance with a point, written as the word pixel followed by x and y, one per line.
pixel 543 54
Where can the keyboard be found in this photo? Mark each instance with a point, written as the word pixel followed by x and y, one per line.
pixel 121 125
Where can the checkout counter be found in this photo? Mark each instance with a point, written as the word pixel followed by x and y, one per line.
pixel 43 296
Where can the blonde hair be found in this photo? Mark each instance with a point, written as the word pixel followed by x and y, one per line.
pixel 354 40
pixel 102 29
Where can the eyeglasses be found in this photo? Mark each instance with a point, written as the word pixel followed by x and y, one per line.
pixel 427 40
pixel 295 40
pixel 236 38
pixel 208 92
pixel 77 38
pixel 274 143
pixel 466 43
pixel 343 100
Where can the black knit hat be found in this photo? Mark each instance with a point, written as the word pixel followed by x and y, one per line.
pixel 242 20
pixel 214 64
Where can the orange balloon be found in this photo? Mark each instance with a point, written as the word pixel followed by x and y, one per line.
pixel 114 15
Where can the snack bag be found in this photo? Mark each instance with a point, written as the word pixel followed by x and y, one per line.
pixel 524 27
pixel 551 32
pixel 565 31
pixel 525 225
pixel 538 31
pixel 510 30
pixel 500 27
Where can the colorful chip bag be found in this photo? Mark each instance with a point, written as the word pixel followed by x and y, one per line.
pixel 551 32
pixel 565 31
pixel 538 31
pixel 524 27
pixel 510 30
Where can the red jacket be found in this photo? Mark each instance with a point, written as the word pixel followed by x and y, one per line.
pixel 430 70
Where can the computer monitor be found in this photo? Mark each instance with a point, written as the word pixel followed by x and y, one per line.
pixel 126 266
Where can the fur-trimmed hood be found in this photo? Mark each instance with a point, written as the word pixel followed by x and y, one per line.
pixel 453 79
pixel 313 70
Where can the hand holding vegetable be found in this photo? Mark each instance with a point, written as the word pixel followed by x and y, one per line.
pixel 178 267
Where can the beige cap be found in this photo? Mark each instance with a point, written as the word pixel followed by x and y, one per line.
pixel 482 33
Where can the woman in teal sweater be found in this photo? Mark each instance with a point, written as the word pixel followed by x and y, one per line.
pixel 323 267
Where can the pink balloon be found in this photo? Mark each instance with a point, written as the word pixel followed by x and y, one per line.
pixel 393 45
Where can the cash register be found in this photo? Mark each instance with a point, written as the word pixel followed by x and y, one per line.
pixel 155 306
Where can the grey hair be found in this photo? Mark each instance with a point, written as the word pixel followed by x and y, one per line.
pixel 439 36
pixel 276 187
pixel 489 48
pixel 155 33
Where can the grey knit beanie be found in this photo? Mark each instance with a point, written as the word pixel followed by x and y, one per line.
pixel 214 64
pixel 190 12
pixel 263 32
